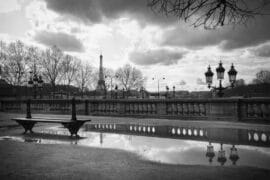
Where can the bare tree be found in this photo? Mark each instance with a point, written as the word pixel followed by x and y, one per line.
pixel 3 52
pixel 15 64
pixel 33 57
pixel 130 78
pixel 210 13
pixel 84 76
pixel 52 64
pixel 3 56
pixel 70 68
pixel 110 78
pixel 262 76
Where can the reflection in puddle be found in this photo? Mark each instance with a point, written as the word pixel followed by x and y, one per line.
pixel 173 145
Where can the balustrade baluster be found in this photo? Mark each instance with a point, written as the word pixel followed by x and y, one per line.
pixel 169 108
pixel 190 109
pixel 180 108
pixel 250 110
pixel 256 110
pixel 265 111
pixel 185 109
pixel 132 108
pixel 196 109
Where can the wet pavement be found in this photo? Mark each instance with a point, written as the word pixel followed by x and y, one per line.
pixel 172 144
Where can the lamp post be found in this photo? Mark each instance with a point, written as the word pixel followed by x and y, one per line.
pixel 174 92
pixel 35 82
pixel 210 153
pixel 221 155
pixel 40 85
pixel 116 89
pixel 142 92
pixel 167 91
pixel 220 76
pixel 111 81
pixel 234 155
pixel 158 79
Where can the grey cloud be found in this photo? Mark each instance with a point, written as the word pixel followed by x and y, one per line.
pixel 64 41
pixel 94 11
pixel 156 56
pixel 180 33
pixel 227 38
pixel 262 51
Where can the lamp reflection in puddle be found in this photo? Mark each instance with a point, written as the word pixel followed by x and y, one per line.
pixel 221 155
pixel 210 152
pixel 234 155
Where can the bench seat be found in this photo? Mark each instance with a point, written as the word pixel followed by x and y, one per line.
pixel 72 125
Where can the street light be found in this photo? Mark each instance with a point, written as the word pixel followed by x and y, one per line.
pixel 167 89
pixel 221 155
pixel 163 78
pixel 35 82
pixel 116 90
pixel 210 153
pixel 220 76
pixel 111 78
pixel 174 92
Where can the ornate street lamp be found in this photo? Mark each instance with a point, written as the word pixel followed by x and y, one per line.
pixel 234 155
pixel 35 82
pixel 163 78
pixel 221 156
pixel 174 92
pixel 111 81
pixel 210 152
pixel 40 85
pixel 167 91
pixel 116 91
pixel 220 76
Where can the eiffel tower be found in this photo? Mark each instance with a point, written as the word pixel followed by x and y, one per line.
pixel 101 83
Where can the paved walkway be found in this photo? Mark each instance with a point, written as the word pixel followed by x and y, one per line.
pixel 5 121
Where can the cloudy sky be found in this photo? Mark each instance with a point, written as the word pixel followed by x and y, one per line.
pixel 127 31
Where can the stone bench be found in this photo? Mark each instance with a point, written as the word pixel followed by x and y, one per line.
pixel 73 124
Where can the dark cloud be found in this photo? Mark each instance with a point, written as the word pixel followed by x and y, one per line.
pixel 262 51
pixel 94 11
pixel 180 33
pixel 156 56
pixel 228 38
pixel 64 41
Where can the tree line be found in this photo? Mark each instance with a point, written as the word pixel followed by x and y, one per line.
pixel 17 60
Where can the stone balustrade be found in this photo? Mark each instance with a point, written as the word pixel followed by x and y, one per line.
pixel 227 109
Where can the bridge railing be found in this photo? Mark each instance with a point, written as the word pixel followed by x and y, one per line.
pixel 228 109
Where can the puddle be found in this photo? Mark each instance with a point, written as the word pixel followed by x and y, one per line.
pixel 167 144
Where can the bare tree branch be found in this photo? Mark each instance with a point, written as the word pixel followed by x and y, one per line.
pixel 211 13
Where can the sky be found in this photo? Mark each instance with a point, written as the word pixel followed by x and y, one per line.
pixel 127 31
